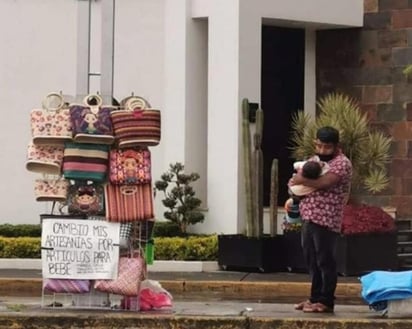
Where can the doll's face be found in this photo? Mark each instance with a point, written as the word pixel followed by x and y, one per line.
pixel 90 118
pixel 130 164
pixel 86 199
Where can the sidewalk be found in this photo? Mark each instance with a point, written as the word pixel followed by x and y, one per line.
pixel 268 287
pixel 220 299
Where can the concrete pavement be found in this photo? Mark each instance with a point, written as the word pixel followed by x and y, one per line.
pixel 269 287
pixel 26 313
pixel 220 299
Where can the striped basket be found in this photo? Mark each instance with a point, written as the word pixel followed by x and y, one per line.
pixel 129 202
pixel 136 125
pixel 86 161
pixel 66 286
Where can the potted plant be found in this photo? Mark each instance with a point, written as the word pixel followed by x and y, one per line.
pixel 254 250
pixel 368 151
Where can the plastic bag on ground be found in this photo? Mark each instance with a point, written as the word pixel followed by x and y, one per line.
pixel 153 296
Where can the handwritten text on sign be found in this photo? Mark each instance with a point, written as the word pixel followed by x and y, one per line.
pixel 79 249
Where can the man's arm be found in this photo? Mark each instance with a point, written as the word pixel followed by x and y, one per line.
pixel 323 182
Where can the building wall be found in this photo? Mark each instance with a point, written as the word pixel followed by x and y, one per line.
pixel 39 55
pixel 193 59
pixel 367 64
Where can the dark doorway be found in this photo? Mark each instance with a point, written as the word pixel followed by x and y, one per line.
pixel 283 54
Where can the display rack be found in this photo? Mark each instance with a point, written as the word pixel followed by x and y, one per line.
pixel 140 236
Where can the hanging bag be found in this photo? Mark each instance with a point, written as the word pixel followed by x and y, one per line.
pixel 45 159
pixel 136 124
pixel 130 166
pixel 51 189
pixel 131 272
pixel 72 286
pixel 85 161
pixel 91 121
pixel 128 203
pixel 85 197
pixel 51 124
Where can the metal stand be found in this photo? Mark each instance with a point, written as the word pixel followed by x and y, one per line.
pixel 84 31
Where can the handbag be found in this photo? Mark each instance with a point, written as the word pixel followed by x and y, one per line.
pixel 66 286
pixel 128 203
pixel 131 272
pixel 46 159
pixel 130 166
pixel 91 121
pixel 85 198
pixel 51 125
pixel 136 124
pixel 51 189
pixel 85 161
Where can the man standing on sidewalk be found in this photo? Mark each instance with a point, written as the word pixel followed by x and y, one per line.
pixel 322 213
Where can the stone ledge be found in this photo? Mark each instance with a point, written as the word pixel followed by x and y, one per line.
pixel 32 287
pixel 61 320
pixel 157 266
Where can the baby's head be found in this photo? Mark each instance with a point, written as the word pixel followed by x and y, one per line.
pixel 311 169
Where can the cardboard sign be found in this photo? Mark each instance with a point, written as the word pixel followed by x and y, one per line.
pixel 79 249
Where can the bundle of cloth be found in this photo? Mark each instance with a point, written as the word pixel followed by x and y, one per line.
pixel 379 287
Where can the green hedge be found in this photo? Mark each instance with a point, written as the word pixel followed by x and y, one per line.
pixel 23 247
pixel 190 248
pixel 177 248
pixel 20 230
pixel 161 229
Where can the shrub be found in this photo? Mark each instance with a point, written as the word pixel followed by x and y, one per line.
pixel 190 248
pixel 179 196
pixel 23 247
pixel 177 248
pixel 366 219
pixel 367 148
pixel 20 230
pixel 166 229
pixel 161 229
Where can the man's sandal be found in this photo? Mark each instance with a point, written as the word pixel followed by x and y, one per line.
pixel 317 308
pixel 302 305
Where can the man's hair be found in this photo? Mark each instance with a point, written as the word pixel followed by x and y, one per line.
pixel 311 169
pixel 328 135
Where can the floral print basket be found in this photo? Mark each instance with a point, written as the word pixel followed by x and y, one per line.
pixel 51 125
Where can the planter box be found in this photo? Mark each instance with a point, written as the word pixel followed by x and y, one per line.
pixel 360 253
pixel 239 252
pixel 356 254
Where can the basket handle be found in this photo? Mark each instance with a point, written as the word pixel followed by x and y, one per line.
pixel 94 101
pixel 136 103
pixel 47 100
pixel 128 190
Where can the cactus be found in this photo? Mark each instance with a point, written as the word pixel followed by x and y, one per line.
pixel 274 190
pixel 258 175
pixel 247 165
pixel 253 171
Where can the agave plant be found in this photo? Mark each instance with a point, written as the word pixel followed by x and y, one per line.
pixel 368 150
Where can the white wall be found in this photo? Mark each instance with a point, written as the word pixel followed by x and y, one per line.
pixel 38 55
pixel 193 59
pixel 39 50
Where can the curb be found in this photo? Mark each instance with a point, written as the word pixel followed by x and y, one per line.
pixel 60 320
pixel 32 287
pixel 157 266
